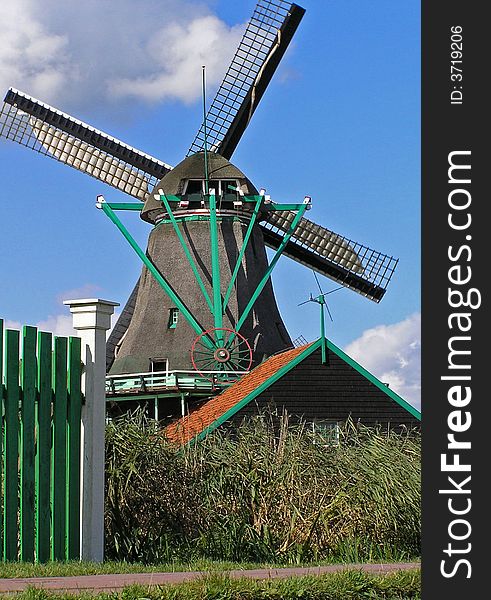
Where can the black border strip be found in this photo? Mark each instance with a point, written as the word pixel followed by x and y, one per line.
pixel 455 125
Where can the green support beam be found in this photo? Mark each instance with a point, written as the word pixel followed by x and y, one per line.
pixel 267 275
pixel 164 284
pixel 126 206
pixel 207 184
pixel 216 306
pixel 321 302
pixel 275 205
pixel 251 198
pixel 215 265
pixel 283 207
pixel 184 246
pixel 252 222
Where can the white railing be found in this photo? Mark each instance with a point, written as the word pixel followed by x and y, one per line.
pixel 169 380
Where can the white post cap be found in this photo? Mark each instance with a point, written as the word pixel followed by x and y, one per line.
pixel 91 313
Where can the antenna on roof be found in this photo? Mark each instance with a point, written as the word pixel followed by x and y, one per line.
pixel 323 304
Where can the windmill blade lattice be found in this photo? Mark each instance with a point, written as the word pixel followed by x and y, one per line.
pixel 324 242
pixel 264 43
pixel 41 127
pixel 354 265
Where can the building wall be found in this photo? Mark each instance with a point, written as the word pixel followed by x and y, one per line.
pixel 331 392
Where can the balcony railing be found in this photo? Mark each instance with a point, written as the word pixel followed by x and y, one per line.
pixel 161 381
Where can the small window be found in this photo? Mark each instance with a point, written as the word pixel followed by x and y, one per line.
pixel 173 318
pixel 325 433
pixel 222 187
pixel 213 184
pixel 194 186
pixel 159 365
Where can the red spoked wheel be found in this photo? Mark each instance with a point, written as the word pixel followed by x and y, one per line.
pixel 221 350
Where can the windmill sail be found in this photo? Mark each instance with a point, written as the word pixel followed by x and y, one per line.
pixel 323 241
pixel 349 263
pixel 47 130
pixel 43 128
pixel 264 43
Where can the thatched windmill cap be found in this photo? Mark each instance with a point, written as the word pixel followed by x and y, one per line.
pixel 193 167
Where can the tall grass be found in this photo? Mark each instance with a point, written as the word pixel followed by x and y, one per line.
pixel 268 492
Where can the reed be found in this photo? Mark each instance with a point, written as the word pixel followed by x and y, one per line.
pixel 267 491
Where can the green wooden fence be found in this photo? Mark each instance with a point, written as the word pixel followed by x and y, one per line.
pixel 41 402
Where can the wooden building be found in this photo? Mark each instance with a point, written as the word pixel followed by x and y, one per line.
pixel 299 382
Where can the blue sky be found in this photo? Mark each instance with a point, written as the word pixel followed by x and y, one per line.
pixel 340 122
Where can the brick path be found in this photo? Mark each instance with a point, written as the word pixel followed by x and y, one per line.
pixel 116 582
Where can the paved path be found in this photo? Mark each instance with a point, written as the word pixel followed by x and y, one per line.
pixel 118 581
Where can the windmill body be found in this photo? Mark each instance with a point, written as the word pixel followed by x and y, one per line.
pixel 156 334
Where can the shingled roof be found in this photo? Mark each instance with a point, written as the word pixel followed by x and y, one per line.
pixel 215 411
pixel 210 413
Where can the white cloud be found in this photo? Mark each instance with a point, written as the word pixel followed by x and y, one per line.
pixel 177 53
pixel 77 53
pixel 393 354
pixel 30 55
pixel 58 325
pixel 61 324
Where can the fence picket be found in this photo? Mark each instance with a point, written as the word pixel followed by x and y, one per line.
pixel 74 421
pixel 43 455
pixel 27 488
pixel 11 445
pixel 59 463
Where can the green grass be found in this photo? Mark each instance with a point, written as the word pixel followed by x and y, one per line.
pixel 350 585
pixel 77 568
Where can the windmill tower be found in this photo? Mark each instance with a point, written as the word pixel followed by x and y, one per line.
pixel 182 248
pixel 204 299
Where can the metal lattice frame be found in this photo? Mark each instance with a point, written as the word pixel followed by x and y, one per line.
pixel 356 266
pixel 264 42
pixel 50 132
pixel 324 242
pixel 215 304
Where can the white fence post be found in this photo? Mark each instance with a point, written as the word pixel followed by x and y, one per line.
pixel 91 320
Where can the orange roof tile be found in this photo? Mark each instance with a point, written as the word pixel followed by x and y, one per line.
pixel 186 428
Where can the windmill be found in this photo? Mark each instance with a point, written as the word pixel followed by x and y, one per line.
pixel 204 299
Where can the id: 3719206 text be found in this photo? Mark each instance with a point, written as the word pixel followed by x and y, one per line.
pixel 456 65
